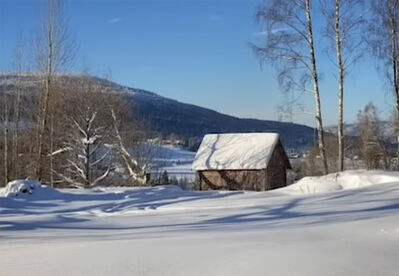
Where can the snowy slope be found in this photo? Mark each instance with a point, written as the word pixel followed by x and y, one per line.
pixel 176 161
pixel 167 231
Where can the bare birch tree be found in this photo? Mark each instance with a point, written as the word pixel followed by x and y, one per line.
pixel 19 56
pixel 135 171
pixel 55 49
pixel 338 39
pixel 345 21
pixel 5 122
pixel 134 146
pixel 371 142
pixel 383 37
pixel 289 47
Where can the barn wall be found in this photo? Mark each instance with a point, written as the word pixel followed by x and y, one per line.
pixel 253 180
pixel 277 169
pixel 276 178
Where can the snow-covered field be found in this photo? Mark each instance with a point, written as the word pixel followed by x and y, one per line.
pixel 335 225
pixel 176 161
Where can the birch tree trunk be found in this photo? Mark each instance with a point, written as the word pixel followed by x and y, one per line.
pixel 395 60
pixel 87 166
pixel 135 171
pixel 55 50
pixel 5 131
pixel 44 108
pixel 319 122
pixel 51 152
pixel 337 28
pixel 16 115
pixel 19 55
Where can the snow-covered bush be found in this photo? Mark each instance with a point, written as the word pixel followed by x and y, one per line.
pixel 17 187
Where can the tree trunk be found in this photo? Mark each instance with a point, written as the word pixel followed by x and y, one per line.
pixel 54 51
pixel 319 122
pixel 17 104
pixel 51 151
pixel 44 106
pixel 5 129
pixel 395 61
pixel 41 126
pixel 130 164
pixel 88 180
pixel 341 153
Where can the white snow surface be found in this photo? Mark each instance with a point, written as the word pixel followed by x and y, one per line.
pixel 350 228
pixel 20 187
pixel 235 151
pixel 341 181
pixel 176 161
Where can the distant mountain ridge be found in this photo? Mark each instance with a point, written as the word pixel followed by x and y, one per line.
pixel 168 116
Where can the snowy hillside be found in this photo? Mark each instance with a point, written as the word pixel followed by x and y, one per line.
pixel 176 161
pixel 349 228
pixel 168 116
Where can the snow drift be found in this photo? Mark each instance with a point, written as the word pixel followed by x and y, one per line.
pixel 341 181
pixel 29 190
pixel 18 187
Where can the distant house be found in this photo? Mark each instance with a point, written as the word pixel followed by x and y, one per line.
pixel 241 161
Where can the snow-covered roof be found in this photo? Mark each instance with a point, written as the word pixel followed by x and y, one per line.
pixel 235 151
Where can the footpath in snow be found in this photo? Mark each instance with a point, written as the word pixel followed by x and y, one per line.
pixel 345 224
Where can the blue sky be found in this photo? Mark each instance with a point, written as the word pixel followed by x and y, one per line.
pixel 194 51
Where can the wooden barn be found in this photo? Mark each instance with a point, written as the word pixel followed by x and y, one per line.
pixel 241 161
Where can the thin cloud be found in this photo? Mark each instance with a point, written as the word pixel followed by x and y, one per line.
pixel 274 31
pixel 114 20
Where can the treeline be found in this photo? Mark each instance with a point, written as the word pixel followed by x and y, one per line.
pixel 86 138
pixel 67 131
pixel 352 29
pixel 369 146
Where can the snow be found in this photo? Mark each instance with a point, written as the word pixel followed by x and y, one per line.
pixel 342 180
pixel 20 187
pixel 353 230
pixel 235 151
pixel 176 161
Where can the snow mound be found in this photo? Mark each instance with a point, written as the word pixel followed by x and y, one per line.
pixel 18 187
pixel 341 181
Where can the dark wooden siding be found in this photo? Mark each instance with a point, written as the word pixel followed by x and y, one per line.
pixel 277 169
pixel 253 180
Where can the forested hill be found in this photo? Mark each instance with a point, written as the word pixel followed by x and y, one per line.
pixel 169 116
